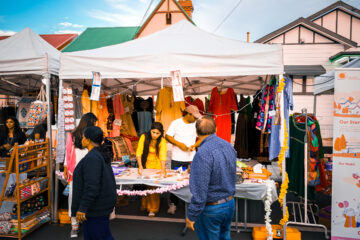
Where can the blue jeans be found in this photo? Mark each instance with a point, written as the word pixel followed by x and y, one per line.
pixel 214 223
pixel 97 228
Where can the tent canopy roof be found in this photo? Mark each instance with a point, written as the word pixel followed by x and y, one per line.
pixel 325 82
pixel 24 59
pixel 203 59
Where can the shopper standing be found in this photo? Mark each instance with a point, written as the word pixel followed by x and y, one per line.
pixel 94 195
pixel 151 153
pixel 182 134
pixel 74 153
pixel 212 184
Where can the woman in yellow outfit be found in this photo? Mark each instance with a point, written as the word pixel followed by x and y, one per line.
pixel 151 153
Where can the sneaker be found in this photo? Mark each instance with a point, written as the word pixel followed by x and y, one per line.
pixel 151 214
pixel 74 233
pixel 172 209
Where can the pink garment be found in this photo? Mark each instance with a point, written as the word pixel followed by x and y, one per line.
pixel 70 157
pixel 118 111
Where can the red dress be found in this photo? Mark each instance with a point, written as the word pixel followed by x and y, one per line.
pixel 222 103
pixel 197 102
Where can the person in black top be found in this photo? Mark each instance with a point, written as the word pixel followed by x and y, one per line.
pixel 94 188
pixel 10 135
pixel 39 131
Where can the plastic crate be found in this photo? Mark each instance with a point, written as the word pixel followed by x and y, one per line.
pixel 260 233
pixel 63 215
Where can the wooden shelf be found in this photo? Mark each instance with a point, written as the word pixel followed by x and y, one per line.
pixel 16 235
pixel 30 153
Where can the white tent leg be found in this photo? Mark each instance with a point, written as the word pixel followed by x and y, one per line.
pixel 48 100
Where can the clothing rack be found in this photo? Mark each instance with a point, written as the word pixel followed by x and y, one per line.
pixel 304 220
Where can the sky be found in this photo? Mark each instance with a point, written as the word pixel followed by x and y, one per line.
pixel 74 16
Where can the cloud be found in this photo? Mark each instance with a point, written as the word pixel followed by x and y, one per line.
pixel 6 32
pixel 126 13
pixel 68 32
pixel 68 24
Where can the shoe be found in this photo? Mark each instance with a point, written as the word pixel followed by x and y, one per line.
pixel 151 214
pixel 172 209
pixel 74 233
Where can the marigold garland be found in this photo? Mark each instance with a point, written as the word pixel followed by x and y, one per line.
pixel 281 157
pixel 268 209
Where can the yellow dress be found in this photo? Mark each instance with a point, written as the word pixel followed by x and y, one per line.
pixel 85 101
pixel 103 114
pixel 166 109
pixel 151 202
pixel 127 125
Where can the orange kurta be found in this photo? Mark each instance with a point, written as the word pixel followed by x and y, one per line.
pixel 127 125
pixel 166 109
pixel 118 111
pixel 221 103
pixel 103 114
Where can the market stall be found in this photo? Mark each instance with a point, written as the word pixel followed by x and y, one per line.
pixel 144 66
pixel 27 62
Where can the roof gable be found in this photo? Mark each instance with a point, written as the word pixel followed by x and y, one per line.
pixel 311 26
pixel 164 6
pixel 93 38
pixel 338 5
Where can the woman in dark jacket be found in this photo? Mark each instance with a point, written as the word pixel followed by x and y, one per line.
pixel 94 188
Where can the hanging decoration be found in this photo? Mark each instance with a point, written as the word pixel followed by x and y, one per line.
pixel 268 209
pixel 281 157
pixel 152 191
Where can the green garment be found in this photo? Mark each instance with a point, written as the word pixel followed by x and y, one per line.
pixel 295 162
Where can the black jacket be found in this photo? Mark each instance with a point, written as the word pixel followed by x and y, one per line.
pixel 94 187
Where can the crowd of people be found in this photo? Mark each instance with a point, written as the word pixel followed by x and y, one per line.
pixel 92 193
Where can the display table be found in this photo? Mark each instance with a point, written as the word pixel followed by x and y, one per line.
pixel 247 190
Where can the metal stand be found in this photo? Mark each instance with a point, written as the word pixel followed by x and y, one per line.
pixel 304 220
pixel 183 232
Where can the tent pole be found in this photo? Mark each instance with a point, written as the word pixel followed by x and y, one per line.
pixel 48 100
pixel 315 102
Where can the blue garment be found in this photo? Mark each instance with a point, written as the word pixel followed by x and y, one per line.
pixel 144 122
pixel 97 228
pixel 213 174
pixel 214 223
pixel 274 140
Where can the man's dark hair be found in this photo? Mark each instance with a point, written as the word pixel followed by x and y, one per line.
pixel 205 126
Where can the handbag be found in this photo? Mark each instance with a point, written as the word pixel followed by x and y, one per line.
pixel 23 111
pixel 38 109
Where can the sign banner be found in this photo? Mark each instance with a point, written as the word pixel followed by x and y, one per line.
pixel 345 214
pixel 96 87
pixel 177 86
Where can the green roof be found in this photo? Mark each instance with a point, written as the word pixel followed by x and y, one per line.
pixel 93 38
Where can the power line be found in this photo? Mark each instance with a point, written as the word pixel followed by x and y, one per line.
pixel 143 18
pixel 240 1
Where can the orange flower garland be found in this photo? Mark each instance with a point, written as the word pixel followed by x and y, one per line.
pixel 281 157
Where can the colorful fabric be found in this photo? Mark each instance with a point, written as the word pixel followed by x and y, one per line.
pixel 85 101
pixel 103 114
pixel 264 119
pixel 118 111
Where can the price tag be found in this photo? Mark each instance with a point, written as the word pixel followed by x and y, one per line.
pixel 272 113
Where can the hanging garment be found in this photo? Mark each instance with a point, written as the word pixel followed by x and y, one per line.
pixel 196 102
pixel 142 105
pixel 103 114
pixel 118 111
pixel 144 122
pixel 295 162
pixel 221 103
pixel 242 130
pixel 85 102
pixel 127 124
pixel 267 104
pixel 288 104
pixel 166 109
pixel 77 104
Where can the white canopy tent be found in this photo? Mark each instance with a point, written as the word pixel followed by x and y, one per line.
pixel 325 82
pixel 26 62
pixel 203 59
pixel 26 58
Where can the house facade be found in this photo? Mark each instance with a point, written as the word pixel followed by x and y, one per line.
pixel 314 45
